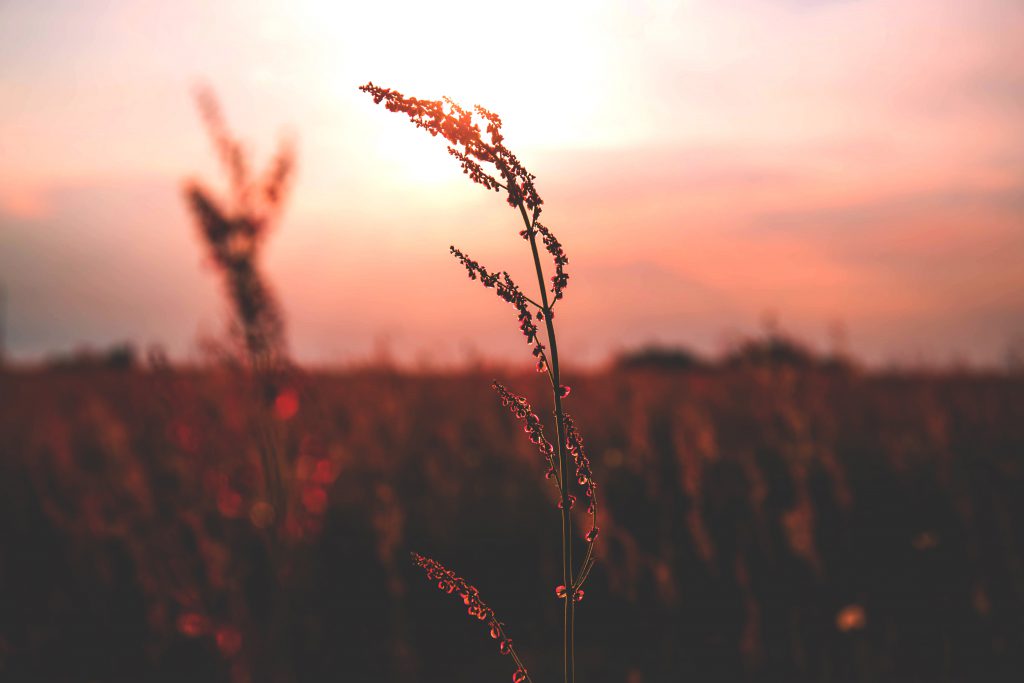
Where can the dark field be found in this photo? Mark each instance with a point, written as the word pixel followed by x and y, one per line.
pixel 757 524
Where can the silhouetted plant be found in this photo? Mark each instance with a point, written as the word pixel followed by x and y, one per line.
pixel 489 163
pixel 287 510
pixel 234 230
pixel 450 582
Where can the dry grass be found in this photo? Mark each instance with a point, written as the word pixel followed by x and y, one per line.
pixel 748 513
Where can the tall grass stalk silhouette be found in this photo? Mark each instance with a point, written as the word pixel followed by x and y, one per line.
pixel 489 163
pixel 234 231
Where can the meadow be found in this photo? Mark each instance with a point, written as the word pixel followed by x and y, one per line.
pixel 761 520
pixel 770 515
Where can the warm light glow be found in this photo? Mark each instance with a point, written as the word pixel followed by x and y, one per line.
pixel 824 160
pixel 518 60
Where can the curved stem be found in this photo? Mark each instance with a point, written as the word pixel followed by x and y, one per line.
pixel 584 566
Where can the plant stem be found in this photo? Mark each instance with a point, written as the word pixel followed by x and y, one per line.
pixel 563 464
pixel 512 650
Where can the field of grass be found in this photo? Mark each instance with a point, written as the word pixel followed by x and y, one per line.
pixel 758 523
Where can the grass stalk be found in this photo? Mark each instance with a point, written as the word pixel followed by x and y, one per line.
pixel 476 141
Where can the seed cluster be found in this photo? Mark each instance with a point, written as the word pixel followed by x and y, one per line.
pixel 520 407
pixel 584 477
pixel 560 279
pixel 509 291
pixel 450 582
pixel 561 593
pixel 456 125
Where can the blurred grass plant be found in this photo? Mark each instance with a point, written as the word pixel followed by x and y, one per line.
pixel 287 510
pixel 234 231
pixel 474 138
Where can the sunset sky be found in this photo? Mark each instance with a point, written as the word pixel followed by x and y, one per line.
pixel 706 163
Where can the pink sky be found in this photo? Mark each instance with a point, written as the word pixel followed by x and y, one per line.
pixel 705 164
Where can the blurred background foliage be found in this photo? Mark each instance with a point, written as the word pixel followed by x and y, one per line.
pixel 769 516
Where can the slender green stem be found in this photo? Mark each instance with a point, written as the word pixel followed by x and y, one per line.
pixel 563 461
